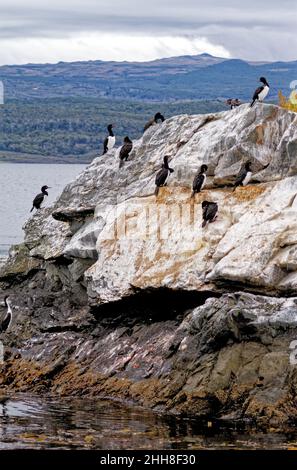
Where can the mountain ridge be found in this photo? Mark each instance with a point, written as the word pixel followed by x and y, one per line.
pixel 157 80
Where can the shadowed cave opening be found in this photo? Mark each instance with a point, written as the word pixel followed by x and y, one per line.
pixel 151 306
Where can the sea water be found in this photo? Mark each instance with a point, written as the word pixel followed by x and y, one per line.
pixel 19 184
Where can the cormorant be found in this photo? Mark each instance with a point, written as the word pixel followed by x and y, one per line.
pixel 109 140
pixel 233 103
pixel 162 175
pixel 154 120
pixel 39 198
pixel 125 150
pixel 209 212
pixel 8 317
pixel 199 180
pixel 243 176
pixel 261 92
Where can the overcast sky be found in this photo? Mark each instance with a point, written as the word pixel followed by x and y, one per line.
pixel 50 31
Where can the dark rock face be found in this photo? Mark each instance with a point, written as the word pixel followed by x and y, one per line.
pixel 228 357
pixel 165 323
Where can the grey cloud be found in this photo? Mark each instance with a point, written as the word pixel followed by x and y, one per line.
pixel 252 30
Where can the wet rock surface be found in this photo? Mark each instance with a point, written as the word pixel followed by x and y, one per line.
pixel 118 294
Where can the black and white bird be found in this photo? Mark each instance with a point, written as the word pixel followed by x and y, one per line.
pixel 38 200
pixel 209 212
pixel 162 175
pixel 109 141
pixel 125 150
pixel 233 103
pixel 261 92
pixel 6 322
pixel 244 176
pixel 157 117
pixel 199 180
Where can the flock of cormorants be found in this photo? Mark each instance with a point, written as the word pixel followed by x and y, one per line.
pixel 209 209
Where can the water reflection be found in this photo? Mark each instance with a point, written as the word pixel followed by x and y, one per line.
pixel 35 423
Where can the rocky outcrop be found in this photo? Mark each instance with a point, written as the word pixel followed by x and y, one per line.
pixel 121 293
pixel 229 357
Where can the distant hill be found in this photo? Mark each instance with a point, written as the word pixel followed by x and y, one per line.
pixel 59 112
pixel 73 129
pixel 171 79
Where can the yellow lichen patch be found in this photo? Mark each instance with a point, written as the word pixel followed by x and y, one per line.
pixel 33 437
pixel 248 193
pixel 172 195
pixel 289 104
pixel 168 194
pixel 200 197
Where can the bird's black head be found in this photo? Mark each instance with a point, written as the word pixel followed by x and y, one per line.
pixel 205 204
pixel 248 165
pixel 109 127
pixel 203 168
pixel 159 117
pixel 44 188
pixel 127 140
pixel 165 159
pixel 264 81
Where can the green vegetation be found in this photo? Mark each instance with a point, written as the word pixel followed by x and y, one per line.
pixel 73 129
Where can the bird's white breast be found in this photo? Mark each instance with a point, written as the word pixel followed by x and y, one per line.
pixel 247 178
pixel 203 182
pixel 111 142
pixel 262 95
pixel 9 309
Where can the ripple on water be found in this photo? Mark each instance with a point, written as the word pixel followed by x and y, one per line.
pixel 44 423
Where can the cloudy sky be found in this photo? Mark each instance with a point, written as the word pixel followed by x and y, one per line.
pixel 50 31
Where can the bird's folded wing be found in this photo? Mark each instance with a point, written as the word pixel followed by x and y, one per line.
pixel 38 199
pixel 211 211
pixel 240 176
pixel 198 180
pixel 257 92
